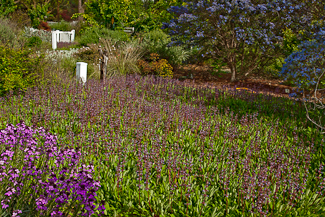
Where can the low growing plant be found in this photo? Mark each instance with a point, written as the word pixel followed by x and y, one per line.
pixel 156 66
pixel 34 41
pixel 161 148
pixel 40 178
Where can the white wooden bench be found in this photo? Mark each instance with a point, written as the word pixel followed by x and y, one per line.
pixel 129 30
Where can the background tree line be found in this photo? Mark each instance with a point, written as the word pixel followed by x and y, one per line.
pixel 141 14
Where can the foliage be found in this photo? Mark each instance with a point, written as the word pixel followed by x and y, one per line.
pixel 62 26
pixel 32 160
pixel 7 31
pixel 109 13
pixel 305 68
pixel 92 35
pixel 44 26
pixel 157 66
pixel 156 41
pixel 88 54
pixel 89 20
pixel 115 14
pixel 7 7
pixel 10 34
pixel 122 57
pixel 34 41
pixel 21 18
pixel 290 42
pixel 162 148
pixel 305 65
pixel 147 16
pixel 17 69
pixel 248 32
pixel 45 36
pixel 38 14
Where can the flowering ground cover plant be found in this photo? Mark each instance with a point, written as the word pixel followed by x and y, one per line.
pixel 38 178
pixel 160 148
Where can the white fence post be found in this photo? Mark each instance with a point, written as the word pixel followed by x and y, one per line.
pixel 54 40
pixel 73 34
pixel 81 71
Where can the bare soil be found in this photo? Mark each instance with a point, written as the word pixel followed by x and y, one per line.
pixel 203 77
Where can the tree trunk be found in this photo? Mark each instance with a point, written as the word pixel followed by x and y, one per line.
pixel 233 73
pixel 80 10
pixel 58 11
pixel 233 68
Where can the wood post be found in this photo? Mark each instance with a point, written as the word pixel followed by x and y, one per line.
pixel 103 63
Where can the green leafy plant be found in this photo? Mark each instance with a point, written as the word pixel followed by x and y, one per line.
pixel 38 14
pixel 7 7
pixel 112 14
pixel 89 22
pixel 45 36
pixel 217 66
pixel 17 69
pixel 62 26
pixel 9 33
pixel 34 41
pixel 156 66
pixel 93 34
pixel 157 41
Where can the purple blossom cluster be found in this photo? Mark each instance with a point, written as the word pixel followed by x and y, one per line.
pixel 39 174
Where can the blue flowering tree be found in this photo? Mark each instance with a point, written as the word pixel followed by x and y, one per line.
pixel 244 34
pixel 306 67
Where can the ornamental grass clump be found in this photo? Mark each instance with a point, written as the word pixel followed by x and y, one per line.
pixel 122 56
pixel 40 178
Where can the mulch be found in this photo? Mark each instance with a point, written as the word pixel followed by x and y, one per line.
pixel 203 78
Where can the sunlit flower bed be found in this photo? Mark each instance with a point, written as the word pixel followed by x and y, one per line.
pixel 148 146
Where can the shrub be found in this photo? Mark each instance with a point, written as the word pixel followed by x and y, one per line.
pixel 305 68
pixel 8 32
pixel 88 54
pixel 44 26
pixel 65 15
pixel 92 35
pixel 46 36
pixel 21 18
pixel 157 41
pixel 62 26
pixel 157 66
pixel 34 41
pixel 305 65
pixel 122 57
pixel 39 175
pixel 17 69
